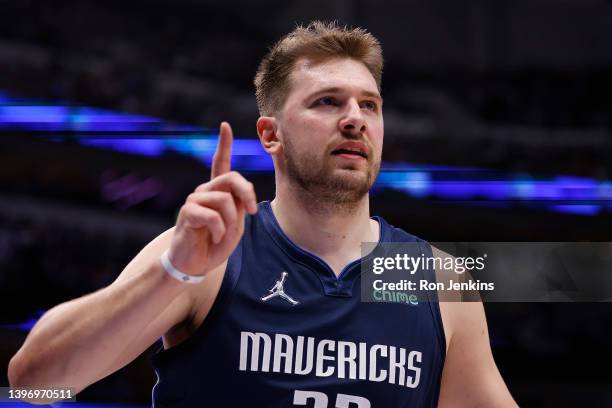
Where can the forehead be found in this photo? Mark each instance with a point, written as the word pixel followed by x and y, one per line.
pixel 309 76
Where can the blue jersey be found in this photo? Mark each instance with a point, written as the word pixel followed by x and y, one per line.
pixel 285 331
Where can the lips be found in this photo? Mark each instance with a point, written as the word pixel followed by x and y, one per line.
pixel 351 148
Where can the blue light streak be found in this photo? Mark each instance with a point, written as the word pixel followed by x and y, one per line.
pixel 150 136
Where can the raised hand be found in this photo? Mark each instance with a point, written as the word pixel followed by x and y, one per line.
pixel 211 222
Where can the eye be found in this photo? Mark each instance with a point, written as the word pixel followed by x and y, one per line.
pixel 370 105
pixel 327 101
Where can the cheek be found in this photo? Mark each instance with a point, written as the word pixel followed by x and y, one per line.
pixel 377 137
pixel 308 131
pixel 298 123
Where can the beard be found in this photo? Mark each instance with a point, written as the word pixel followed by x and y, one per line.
pixel 325 182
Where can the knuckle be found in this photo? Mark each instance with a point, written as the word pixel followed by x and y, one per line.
pixel 201 188
pixel 218 224
pixel 188 213
pixel 185 209
pixel 247 192
pixel 212 217
pixel 250 189
pixel 194 197
pixel 225 196
pixel 213 196
pixel 221 198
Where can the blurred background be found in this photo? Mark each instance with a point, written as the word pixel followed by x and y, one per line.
pixel 498 127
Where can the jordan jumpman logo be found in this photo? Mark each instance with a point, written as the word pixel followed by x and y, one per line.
pixel 278 290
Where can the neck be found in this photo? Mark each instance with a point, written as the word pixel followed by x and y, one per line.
pixel 332 232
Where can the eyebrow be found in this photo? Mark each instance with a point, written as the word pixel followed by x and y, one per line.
pixel 335 89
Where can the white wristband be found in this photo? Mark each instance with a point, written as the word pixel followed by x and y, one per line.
pixel 176 274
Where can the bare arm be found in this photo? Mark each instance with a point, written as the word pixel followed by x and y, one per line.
pixel 78 342
pixel 470 377
pixel 82 341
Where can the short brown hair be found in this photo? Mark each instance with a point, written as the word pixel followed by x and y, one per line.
pixel 318 41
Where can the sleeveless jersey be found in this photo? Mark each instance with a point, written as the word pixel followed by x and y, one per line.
pixel 285 331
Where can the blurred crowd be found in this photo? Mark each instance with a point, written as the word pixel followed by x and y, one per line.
pixel 45 263
pixel 178 64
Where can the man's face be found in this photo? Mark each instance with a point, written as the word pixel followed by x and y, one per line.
pixel 331 129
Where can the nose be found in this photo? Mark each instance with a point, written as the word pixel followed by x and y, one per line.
pixel 352 121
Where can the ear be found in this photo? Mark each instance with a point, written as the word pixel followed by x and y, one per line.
pixel 267 129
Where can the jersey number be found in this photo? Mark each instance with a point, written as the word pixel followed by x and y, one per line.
pixel 320 400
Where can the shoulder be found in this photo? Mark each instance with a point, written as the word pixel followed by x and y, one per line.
pixel 390 233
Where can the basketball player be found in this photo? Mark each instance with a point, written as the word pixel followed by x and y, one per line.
pixel 259 304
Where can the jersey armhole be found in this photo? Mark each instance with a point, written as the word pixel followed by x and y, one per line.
pixel 433 301
pixel 228 285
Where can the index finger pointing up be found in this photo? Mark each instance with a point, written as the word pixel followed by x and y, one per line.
pixel 221 162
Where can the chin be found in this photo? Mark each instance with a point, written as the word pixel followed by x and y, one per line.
pixel 349 176
pixel 350 180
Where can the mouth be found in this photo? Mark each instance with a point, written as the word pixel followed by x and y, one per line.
pixel 354 153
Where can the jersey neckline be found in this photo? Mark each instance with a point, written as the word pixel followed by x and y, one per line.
pixel 341 285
